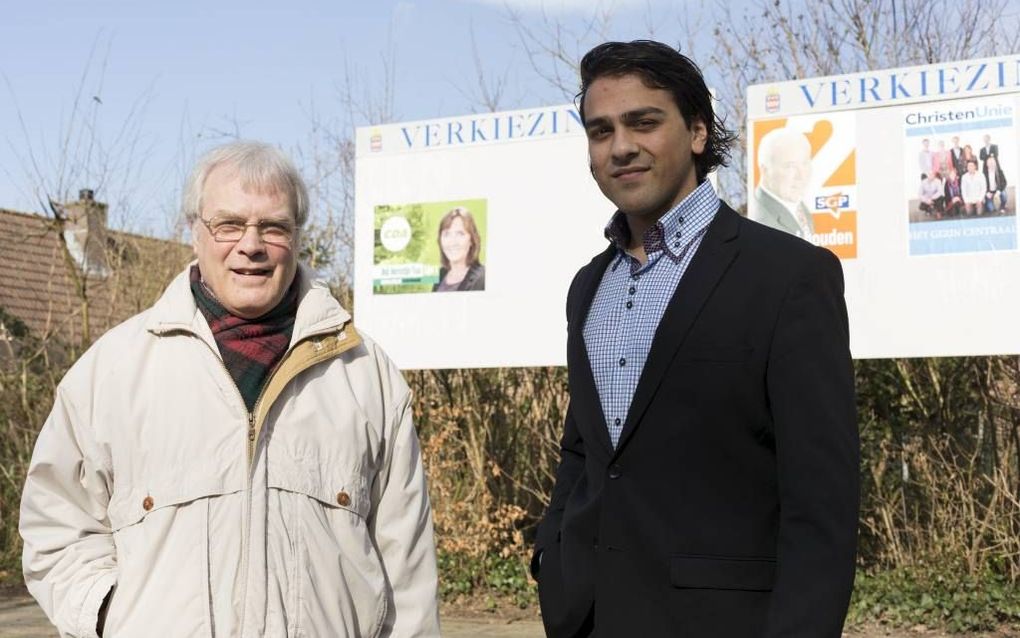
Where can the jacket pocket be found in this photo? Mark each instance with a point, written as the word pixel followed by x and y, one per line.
pixel 132 505
pixel 341 585
pixel 162 566
pixel 330 483
pixel 720 572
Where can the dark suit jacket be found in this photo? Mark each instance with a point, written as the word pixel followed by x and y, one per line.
pixel 729 507
pixel 957 156
pixel 991 151
pixel 999 183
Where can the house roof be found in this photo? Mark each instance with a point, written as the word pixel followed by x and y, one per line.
pixel 44 289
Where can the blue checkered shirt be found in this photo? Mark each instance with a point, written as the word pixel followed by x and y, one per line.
pixel 632 298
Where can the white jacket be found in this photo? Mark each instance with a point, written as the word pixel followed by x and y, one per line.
pixel 309 517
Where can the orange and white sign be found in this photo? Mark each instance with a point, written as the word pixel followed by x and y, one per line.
pixel 828 193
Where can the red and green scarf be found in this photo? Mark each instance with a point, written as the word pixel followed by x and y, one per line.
pixel 250 348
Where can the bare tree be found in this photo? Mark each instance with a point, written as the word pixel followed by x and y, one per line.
pixel 84 152
pixel 775 41
pixel 488 93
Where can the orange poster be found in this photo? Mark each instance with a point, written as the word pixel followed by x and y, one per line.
pixel 804 178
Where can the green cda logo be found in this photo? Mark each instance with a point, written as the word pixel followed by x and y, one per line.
pixel 395 233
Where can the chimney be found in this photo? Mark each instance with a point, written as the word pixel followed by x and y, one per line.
pixel 85 232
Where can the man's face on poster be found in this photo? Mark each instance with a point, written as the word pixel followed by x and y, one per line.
pixel 787 170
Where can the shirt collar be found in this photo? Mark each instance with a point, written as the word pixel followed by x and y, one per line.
pixel 680 225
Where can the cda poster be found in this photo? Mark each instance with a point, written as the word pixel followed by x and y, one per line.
pixel 425 247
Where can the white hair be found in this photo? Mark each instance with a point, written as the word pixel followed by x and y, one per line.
pixel 259 166
pixel 775 138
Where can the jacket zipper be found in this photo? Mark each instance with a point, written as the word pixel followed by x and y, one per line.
pixel 247 510
pixel 252 445
pixel 251 463
pixel 253 436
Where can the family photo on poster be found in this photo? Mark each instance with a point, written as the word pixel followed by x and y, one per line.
pixel 960 172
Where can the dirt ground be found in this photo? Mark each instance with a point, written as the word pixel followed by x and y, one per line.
pixel 20 617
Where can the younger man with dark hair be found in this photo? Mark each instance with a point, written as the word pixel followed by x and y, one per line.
pixel 708 476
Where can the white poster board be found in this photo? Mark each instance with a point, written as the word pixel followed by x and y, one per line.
pixel 839 161
pixel 522 177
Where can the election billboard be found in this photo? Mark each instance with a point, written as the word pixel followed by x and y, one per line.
pixel 468 231
pixel 909 176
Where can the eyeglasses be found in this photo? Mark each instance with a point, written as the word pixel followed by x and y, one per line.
pixel 226 230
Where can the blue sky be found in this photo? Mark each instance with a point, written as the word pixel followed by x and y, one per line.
pixel 185 74
pixel 161 82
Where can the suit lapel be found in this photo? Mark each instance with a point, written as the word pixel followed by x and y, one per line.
pixel 584 397
pixel 714 256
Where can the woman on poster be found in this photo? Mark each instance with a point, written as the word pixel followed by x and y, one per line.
pixel 953 194
pixel 967 157
pixel 459 247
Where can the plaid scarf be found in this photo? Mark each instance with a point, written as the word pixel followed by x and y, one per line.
pixel 250 348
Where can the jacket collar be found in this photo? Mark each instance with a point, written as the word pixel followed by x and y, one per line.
pixel 318 311
pixel 717 250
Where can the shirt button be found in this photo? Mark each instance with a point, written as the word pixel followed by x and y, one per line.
pixel 680 219
pixel 630 304
pixel 147 503
pixel 343 499
pixel 617 421
pixel 623 361
pixel 677 234
pixel 632 290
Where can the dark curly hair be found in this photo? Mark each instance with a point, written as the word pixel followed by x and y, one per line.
pixel 663 67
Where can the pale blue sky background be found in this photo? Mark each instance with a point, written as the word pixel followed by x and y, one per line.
pixel 194 71
pixel 187 74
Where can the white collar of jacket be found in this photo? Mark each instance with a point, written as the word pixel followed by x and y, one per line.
pixel 318 311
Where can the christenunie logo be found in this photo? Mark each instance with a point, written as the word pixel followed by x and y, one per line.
pixel 395 233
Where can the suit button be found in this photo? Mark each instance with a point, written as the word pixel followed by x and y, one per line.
pixel 615 472
pixel 343 499
pixel 147 503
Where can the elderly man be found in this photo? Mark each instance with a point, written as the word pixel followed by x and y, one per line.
pixel 784 158
pixel 988 150
pixel 237 460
